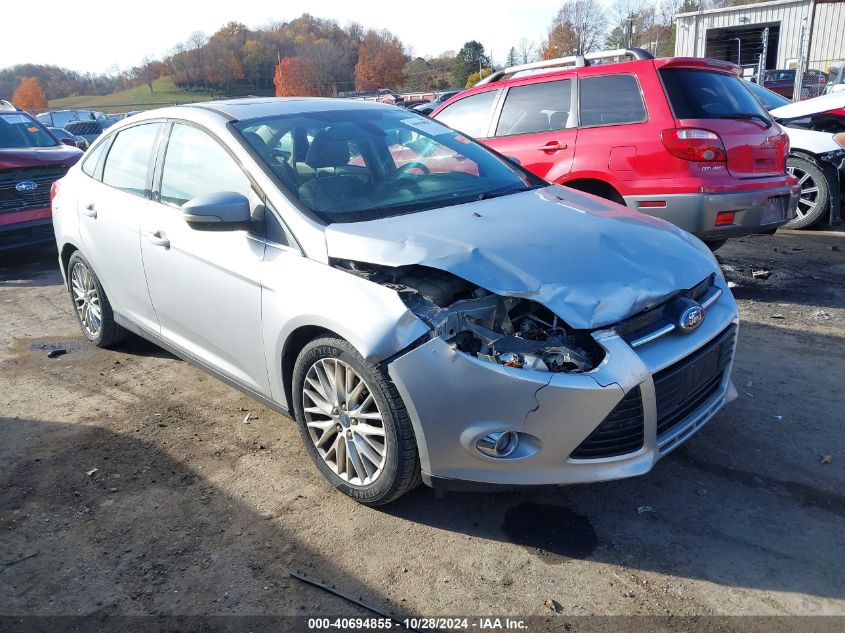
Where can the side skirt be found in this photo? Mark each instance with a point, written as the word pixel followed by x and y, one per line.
pixel 188 358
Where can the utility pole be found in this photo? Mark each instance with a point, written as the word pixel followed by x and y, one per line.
pixel 761 67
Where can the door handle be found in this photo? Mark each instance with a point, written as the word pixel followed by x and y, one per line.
pixel 553 146
pixel 90 210
pixel 158 238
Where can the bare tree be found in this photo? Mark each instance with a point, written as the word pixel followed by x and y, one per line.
pixel 526 51
pixel 577 28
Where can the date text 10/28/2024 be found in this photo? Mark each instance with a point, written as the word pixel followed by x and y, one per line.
pixel 418 624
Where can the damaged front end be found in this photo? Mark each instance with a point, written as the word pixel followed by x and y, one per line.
pixel 506 330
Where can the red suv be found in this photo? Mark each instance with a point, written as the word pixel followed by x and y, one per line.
pixel 677 138
pixel 31 159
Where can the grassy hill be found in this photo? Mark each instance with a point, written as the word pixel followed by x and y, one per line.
pixel 138 98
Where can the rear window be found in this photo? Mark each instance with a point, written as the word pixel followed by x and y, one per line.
pixel 19 130
pixel 700 94
pixel 84 127
pixel 611 100
pixel 535 108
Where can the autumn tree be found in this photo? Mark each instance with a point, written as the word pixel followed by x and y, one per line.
pixel 295 78
pixel 380 62
pixel 29 95
pixel 475 77
pixel 577 28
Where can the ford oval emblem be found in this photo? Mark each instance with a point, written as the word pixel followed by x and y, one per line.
pixel 691 318
pixel 26 186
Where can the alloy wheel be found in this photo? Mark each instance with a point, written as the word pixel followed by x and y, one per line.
pixel 809 191
pixel 344 421
pixel 86 298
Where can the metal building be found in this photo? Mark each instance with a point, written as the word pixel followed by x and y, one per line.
pixel 786 33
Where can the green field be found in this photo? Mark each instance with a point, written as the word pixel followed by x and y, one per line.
pixel 138 98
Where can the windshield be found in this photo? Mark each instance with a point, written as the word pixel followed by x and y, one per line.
pixel 699 94
pixel 355 165
pixel 19 130
pixel 769 99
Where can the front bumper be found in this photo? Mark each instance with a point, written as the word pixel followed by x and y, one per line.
pixel 756 211
pixel 453 399
pixel 24 234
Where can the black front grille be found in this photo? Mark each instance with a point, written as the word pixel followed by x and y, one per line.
pixel 683 387
pixel 36 233
pixel 12 200
pixel 621 431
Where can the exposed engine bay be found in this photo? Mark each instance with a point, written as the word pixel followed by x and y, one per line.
pixel 510 331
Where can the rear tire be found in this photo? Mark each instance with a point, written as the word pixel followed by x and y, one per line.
pixel 817 188
pixel 90 304
pixel 359 436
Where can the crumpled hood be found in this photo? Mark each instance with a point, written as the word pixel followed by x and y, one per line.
pixel 591 262
pixel 832 101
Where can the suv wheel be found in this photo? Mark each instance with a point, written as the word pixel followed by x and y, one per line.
pixel 353 422
pixel 816 189
pixel 91 305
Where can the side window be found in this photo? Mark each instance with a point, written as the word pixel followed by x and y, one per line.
pixel 128 160
pixel 611 100
pixel 196 164
pixel 539 107
pixel 89 165
pixel 471 114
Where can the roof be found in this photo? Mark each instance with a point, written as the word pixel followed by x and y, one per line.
pixel 258 107
pixel 741 7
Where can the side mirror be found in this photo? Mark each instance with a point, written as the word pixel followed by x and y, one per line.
pixel 68 141
pixel 213 210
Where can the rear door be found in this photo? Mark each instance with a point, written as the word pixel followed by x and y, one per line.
pixel 536 124
pixel 718 102
pixel 205 283
pixel 112 204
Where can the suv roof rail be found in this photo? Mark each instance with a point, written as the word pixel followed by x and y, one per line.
pixel 573 61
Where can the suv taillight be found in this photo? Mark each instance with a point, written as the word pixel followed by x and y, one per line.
pixel 54 191
pixel 694 144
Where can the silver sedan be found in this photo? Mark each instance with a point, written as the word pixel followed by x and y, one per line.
pixel 425 309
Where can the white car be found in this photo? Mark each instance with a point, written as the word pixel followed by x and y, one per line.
pixel 816 129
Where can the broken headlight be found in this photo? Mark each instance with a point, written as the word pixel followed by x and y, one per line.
pixel 510 331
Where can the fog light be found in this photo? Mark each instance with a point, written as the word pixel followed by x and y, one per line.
pixel 725 218
pixel 498 444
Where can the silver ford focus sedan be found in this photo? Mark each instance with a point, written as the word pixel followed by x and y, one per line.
pixel 424 308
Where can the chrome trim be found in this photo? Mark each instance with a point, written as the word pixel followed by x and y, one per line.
pixel 713 298
pixel 715 294
pixel 648 338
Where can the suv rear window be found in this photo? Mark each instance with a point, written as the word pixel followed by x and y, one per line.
pixel 611 100
pixel 536 108
pixel 83 128
pixel 700 94
pixel 19 130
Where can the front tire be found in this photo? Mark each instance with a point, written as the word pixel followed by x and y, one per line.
pixel 353 423
pixel 816 193
pixel 91 305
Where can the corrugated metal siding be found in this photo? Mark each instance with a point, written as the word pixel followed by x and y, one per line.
pixel 828 39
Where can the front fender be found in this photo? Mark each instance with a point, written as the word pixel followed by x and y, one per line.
pixel 299 292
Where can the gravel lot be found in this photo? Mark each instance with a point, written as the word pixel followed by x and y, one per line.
pixel 132 485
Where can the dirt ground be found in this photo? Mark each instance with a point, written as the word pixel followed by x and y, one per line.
pixel 130 484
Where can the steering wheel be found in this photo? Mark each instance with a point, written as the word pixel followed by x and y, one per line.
pixel 405 169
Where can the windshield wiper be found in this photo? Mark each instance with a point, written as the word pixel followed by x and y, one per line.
pixel 504 192
pixel 748 116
